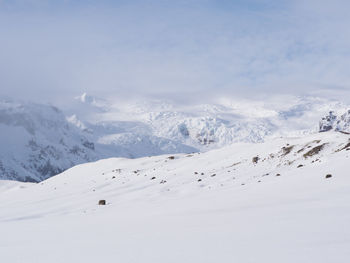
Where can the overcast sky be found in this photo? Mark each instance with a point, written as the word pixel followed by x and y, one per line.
pixel 52 50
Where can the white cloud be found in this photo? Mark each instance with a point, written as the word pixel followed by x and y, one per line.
pixel 166 48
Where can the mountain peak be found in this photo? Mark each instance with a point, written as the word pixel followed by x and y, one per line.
pixel 85 98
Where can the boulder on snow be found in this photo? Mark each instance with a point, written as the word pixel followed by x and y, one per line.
pixel 255 159
pixel 102 202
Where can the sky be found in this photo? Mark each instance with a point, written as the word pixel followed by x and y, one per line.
pixel 52 50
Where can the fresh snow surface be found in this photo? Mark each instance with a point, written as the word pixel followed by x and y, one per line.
pixel 268 202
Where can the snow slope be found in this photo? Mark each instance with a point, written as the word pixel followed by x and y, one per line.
pixel 268 202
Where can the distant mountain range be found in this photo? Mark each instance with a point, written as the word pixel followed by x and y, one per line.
pixel 39 141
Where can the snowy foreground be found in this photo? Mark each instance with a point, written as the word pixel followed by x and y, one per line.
pixel 267 202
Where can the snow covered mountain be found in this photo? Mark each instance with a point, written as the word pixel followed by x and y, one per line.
pixel 285 200
pixel 39 141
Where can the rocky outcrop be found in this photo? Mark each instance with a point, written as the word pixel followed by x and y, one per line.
pixel 336 123
pixel 327 122
pixel 343 123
